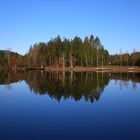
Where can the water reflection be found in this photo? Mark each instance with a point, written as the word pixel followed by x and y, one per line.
pixel 75 85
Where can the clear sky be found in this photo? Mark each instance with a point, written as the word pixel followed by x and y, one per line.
pixel 25 22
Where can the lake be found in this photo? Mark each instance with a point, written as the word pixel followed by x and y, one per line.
pixel 49 105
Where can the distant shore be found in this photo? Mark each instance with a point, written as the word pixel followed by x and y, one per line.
pixel 79 69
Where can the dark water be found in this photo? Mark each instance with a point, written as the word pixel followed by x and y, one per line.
pixel 40 105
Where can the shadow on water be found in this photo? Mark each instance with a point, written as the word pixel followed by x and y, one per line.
pixel 74 85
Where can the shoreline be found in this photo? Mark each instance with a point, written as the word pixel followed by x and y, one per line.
pixel 79 69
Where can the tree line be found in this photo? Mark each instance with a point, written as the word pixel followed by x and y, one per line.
pixel 9 59
pixel 126 59
pixel 63 53
pixel 68 53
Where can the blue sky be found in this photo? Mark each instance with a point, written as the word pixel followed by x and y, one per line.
pixel 25 22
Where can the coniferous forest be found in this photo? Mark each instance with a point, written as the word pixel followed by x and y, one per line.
pixel 64 53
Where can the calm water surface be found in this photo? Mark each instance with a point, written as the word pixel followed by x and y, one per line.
pixel 40 105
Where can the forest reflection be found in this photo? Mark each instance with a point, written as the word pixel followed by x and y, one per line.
pixel 65 85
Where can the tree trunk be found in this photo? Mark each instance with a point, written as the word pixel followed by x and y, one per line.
pixel 63 61
pixel 81 63
pixel 133 63
pixel 71 61
pixel 57 62
pixel 86 62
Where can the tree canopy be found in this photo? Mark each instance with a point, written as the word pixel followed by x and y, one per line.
pixel 68 53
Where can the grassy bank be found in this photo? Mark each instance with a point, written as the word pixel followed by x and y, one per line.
pixel 80 69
